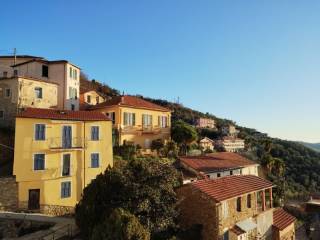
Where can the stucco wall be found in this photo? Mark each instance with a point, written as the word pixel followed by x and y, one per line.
pixel 49 180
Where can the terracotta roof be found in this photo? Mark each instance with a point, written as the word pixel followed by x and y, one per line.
pixel 62 114
pixel 131 101
pixel 216 162
pixel 238 231
pixel 228 187
pixel 282 219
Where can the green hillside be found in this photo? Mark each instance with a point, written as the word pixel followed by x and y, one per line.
pixel 313 146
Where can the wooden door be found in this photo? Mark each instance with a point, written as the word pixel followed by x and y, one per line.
pixel 34 199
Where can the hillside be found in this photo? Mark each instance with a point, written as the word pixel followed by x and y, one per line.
pixel 313 146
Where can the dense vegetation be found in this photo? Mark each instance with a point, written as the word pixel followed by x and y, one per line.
pixel 141 191
pixel 314 146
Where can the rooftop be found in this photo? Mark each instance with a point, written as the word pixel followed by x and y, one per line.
pixel 282 219
pixel 131 101
pixel 216 162
pixel 221 189
pixel 55 114
pixel 28 78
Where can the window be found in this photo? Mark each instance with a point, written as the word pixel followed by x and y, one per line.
pixel 218 174
pixel 249 201
pixel 40 132
pixel 75 74
pixel 66 164
pixel 163 121
pixel 70 72
pixel 112 116
pixel 239 204
pixel 38 92
pixel 129 119
pixel 224 209
pixel 1 114
pixel 88 99
pixel 95 133
pixel 65 189
pixel 95 160
pixel 146 120
pixel 15 72
pixel 73 94
pixel 5 74
pixel 259 200
pixel 38 161
pixel 231 172
pixel 73 107
pixel 45 71
pixel 7 92
pixel 97 100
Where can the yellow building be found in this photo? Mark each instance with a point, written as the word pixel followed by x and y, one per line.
pixel 136 120
pixel 58 153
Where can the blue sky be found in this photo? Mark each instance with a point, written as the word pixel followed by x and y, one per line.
pixel 255 62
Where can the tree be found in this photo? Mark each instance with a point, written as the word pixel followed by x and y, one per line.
pixel 157 145
pixel 144 187
pixel 184 134
pixel 121 225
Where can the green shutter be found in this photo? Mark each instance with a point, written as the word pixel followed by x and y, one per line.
pixel 133 119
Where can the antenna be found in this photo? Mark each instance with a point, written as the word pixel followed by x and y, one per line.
pixel 15 56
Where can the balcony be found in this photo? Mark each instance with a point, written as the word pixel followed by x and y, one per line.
pixel 58 144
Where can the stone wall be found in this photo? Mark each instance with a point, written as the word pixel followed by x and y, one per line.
pixel 8 194
pixel 197 209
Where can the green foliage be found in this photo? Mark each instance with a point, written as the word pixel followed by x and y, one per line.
pixel 121 225
pixel 144 187
pixel 157 145
pixel 127 151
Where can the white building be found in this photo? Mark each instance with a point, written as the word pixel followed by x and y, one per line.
pixel 231 144
pixel 61 72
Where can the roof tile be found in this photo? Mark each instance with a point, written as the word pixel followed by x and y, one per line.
pixel 282 219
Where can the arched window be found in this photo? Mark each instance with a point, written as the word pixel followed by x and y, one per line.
pixel 249 201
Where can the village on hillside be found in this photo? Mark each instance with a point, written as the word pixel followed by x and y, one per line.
pixel 64 140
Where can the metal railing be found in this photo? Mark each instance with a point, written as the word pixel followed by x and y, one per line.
pixel 60 143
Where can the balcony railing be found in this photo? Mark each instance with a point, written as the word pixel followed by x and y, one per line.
pixel 62 144
pixel 138 129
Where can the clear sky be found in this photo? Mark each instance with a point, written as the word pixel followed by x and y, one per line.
pixel 255 62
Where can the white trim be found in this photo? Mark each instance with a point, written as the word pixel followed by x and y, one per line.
pixel 99 163
pixel 64 181
pixel 44 163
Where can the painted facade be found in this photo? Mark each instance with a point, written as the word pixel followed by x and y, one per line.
pixel 136 123
pixel 21 92
pixel 56 158
pixel 91 97
pixel 205 123
pixel 206 143
pixel 231 144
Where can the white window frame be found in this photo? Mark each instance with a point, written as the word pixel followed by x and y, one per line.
pixel 99 138
pixel 34 131
pixel 65 153
pixel 99 163
pixel 65 181
pixel 36 92
pixel 33 162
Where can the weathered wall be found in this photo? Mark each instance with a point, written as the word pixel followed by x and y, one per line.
pixel 8 194
pixel 197 209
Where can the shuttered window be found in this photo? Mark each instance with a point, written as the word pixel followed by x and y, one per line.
pixel 40 132
pixel 38 161
pixel 95 133
pixel 163 121
pixel 129 119
pixel 146 120
pixel 95 160
pixel 65 189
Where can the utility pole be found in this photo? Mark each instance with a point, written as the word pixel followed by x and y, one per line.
pixel 15 56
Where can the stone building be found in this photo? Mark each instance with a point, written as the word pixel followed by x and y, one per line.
pixel 230 130
pixel 90 97
pixel 234 207
pixel 219 164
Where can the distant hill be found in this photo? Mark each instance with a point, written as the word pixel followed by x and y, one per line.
pixel 314 146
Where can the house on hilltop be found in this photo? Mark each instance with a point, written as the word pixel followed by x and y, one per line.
pixel 235 207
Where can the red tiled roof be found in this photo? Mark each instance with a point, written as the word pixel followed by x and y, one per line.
pixel 62 114
pixel 216 161
pixel 131 101
pixel 231 186
pixel 238 231
pixel 282 219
